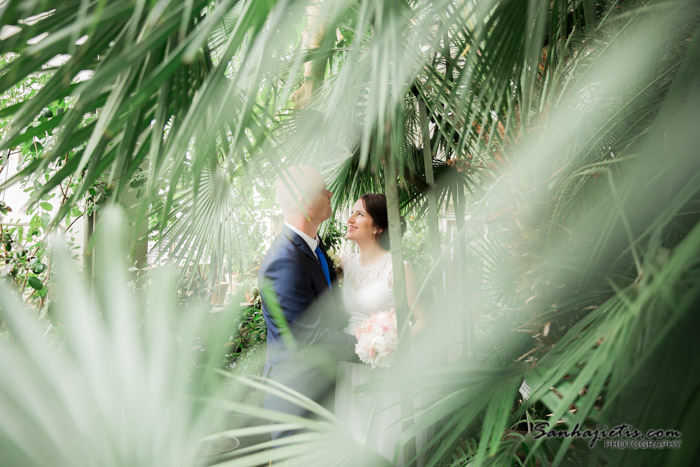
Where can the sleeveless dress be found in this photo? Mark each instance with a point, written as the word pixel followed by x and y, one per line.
pixel 372 418
pixel 366 289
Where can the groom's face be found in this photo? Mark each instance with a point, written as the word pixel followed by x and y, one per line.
pixel 303 192
pixel 318 204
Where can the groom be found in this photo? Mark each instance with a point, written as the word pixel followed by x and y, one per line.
pixel 304 326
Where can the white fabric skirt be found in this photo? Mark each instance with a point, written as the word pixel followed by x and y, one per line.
pixel 371 415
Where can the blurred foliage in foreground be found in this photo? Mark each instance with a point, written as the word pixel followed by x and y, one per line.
pixel 563 134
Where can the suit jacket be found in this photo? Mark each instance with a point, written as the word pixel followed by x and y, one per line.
pixel 291 276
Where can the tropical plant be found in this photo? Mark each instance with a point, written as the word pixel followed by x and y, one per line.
pixel 560 133
pixel 114 387
pixel 24 239
pixel 251 335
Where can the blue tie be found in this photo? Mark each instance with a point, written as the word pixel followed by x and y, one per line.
pixel 324 265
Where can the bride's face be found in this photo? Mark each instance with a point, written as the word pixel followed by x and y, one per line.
pixel 360 225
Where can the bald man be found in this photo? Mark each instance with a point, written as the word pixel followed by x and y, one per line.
pixel 304 325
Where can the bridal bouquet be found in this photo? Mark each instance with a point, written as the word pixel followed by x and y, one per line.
pixel 377 338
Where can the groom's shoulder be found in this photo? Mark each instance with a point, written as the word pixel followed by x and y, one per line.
pixel 282 248
pixel 283 244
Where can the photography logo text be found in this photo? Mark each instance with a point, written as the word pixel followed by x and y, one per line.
pixel 622 436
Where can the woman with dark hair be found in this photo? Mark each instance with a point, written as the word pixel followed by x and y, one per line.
pixel 368 272
pixel 368 287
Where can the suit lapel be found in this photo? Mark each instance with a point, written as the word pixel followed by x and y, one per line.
pixel 302 245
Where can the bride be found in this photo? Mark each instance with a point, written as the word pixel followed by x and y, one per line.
pixel 372 418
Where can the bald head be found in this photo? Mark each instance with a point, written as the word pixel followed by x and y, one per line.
pixel 302 195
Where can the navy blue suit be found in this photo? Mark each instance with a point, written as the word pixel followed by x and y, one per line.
pixel 293 272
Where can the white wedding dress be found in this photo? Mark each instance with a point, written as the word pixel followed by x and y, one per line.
pixel 366 289
pixel 371 417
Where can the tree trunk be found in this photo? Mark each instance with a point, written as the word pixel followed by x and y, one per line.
pixel 467 318
pixel 314 70
pixel 88 261
pixel 433 224
pixel 400 298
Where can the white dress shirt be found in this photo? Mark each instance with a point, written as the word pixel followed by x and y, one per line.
pixel 312 242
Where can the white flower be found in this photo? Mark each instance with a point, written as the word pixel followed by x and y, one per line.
pixel 377 338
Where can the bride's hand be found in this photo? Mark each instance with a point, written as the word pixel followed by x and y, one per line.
pixel 417 327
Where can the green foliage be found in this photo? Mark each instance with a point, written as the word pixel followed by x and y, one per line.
pixel 23 258
pixel 110 364
pixel 333 234
pixel 251 333
pixel 416 244
pixel 25 247
pixel 222 223
pixel 562 134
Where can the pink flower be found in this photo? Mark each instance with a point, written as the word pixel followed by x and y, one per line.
pixel 377 338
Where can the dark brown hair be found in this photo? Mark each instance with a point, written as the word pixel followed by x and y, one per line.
pixel 375 205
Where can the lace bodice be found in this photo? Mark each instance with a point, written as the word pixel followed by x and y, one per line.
pixel 366 289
